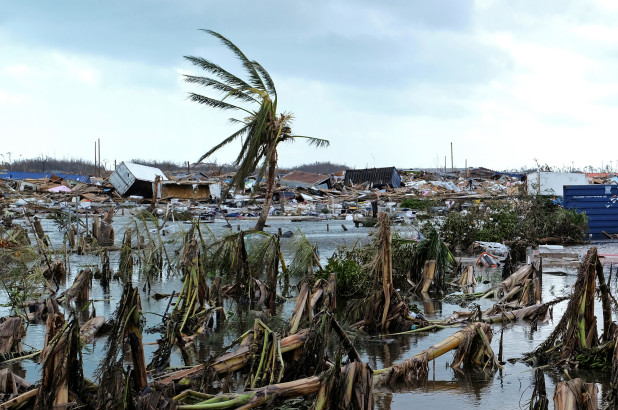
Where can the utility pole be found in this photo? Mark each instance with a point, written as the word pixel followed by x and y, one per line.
pixel 96 169
pixel 99 142
pixel 452 166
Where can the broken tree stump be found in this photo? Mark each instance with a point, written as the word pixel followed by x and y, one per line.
pixel 575 394
pixel 106 232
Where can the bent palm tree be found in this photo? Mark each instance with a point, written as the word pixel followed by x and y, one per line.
pixel 262 128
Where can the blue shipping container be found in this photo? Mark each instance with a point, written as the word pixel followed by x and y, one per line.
pixel 599 202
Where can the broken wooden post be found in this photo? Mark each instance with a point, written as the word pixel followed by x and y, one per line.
pixel 95 226
pixel 40 233
pixel 155 193
pixel 125 265
pixel 71 238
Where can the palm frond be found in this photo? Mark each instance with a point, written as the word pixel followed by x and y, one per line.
pixel 316 142
pixel 226 141
pixel 305 258
pixel 219 86
pixel 256 80
pixel 236 121
pixel 212 102
pixel 270 84
pixel 215 69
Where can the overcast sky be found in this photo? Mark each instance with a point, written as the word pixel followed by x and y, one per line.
pixel 388 82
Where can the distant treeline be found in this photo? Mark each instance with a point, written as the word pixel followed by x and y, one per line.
pixel 320 168
pixel 53 165
pixel 83 167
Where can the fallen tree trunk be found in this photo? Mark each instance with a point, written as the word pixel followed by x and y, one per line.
pixel 516 278
pixel 89 329
pixel 416 367
pixel 236 360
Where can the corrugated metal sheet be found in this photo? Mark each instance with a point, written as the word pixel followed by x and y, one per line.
pixel 42 175
pixel 376 176
pixel 599 202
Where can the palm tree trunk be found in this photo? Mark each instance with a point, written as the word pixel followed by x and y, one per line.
pixel 270 187
pixel 387 266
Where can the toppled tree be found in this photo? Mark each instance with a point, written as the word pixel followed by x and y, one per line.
pixel 262 129
pixel 473 350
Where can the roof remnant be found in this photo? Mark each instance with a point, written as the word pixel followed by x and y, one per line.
pixel 302 179
pixel 377 177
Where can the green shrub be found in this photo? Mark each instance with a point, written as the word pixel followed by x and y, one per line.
pixel 417 204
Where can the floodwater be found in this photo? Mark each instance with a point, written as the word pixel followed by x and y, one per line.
pixel 509 388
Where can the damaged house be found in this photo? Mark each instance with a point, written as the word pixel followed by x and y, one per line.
pixel 376 177
pixel 135 179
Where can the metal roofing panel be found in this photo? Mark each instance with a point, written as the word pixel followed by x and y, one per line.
pixel 376 176
pixel 143 172
pixel 305 177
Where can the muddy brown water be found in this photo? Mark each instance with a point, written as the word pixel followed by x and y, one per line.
pixel 510 388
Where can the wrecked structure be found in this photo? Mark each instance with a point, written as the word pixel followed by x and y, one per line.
pixel 376 177
pixel 551 183
pixel 135 179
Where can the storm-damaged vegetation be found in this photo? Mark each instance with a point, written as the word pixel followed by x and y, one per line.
pixel 164 308
pixel 529 220
pixel 236 284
